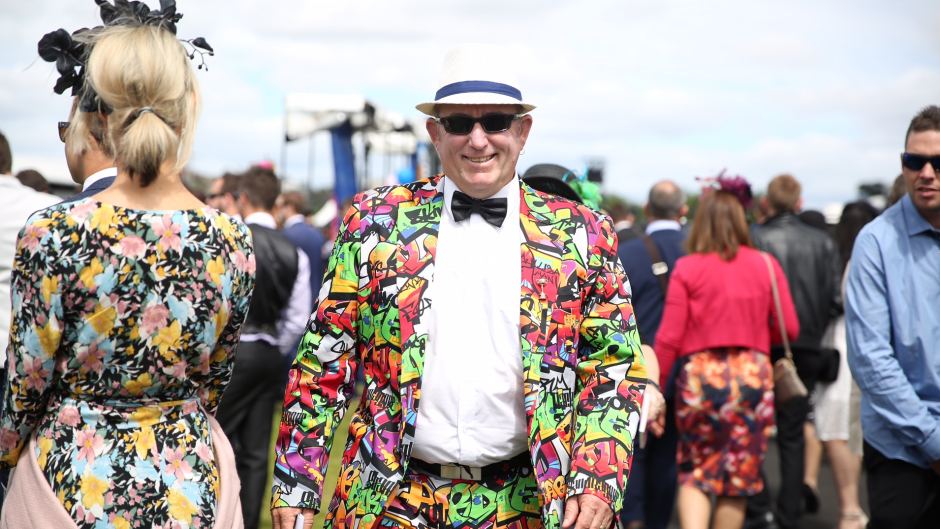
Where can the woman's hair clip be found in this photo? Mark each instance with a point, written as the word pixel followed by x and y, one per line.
pixel 69 51
pixel 736 185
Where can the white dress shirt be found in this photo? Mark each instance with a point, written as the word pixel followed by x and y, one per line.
pixel 17 202
pixel 663 224
pixel 104 173
pixel 294 317
pixel 471 409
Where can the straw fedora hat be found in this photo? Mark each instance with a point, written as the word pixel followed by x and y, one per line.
pixel 476 75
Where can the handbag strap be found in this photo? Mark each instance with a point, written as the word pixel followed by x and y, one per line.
pixel 660 269
pixel 779 311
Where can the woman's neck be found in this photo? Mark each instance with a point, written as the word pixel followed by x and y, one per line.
pixel 166 191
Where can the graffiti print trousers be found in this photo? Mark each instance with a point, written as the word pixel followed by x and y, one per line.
pixel 508 500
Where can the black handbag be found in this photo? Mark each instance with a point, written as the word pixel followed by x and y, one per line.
pixel 829 360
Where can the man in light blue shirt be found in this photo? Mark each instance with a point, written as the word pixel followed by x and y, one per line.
pixel 893 327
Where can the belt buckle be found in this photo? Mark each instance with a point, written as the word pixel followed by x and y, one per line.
pixel 461 472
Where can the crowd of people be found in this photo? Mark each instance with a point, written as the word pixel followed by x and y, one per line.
pixel 523 361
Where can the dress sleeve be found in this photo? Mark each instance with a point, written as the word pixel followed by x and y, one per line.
pixel 35 334
pixel 242 270
pixel 611 378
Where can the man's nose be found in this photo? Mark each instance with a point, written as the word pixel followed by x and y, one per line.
pixel 927 172
pixel 478 137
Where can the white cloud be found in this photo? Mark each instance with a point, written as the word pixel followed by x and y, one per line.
pixel 667 89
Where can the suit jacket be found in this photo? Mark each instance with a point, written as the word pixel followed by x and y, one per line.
pixel 310 241
pixel 648 296
pixel 93 189
pixel 583 374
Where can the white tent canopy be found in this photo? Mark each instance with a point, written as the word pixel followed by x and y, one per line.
pixel 386 132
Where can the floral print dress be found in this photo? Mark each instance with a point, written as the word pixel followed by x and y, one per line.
pixel 124 326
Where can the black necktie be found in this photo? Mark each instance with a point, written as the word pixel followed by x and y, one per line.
pixel 493 210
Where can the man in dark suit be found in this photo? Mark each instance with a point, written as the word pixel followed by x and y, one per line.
pixel 276 318
pixel 648 261
pixel 291 211
pixel 624 221
pixel 811 263
pixel 89 154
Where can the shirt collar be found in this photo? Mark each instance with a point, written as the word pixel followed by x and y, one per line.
pixel 104 173
pixel 261 218
pixel 663 224
pixel 915 222
pixel 293 219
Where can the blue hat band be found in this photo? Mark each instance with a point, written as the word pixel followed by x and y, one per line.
pixel 464 87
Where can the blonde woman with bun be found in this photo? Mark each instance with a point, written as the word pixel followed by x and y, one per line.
pixel 127 307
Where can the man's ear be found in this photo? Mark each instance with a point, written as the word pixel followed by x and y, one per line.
pixel 525 127
pixel 434 131
pixel 99 129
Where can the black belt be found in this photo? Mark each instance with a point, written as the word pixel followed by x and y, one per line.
pixel 465 472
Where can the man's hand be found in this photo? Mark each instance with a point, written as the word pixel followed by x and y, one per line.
pixel 656 420
pixel 589 511
pixel 285 517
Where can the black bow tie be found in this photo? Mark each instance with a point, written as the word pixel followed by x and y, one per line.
pixel 493 210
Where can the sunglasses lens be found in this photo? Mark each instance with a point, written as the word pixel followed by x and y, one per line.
pixel 914 162
pixel 63 127
pixel 462 125
pixel 496 122
pixel 458 124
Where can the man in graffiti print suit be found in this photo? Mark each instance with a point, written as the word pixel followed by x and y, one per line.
pixel 582 378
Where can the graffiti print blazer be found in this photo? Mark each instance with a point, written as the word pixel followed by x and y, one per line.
pixel 583 371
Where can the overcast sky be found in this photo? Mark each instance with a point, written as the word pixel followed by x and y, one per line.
pixel 667 89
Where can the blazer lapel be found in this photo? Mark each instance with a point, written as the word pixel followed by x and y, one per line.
pixel 542 251
pixel 417 225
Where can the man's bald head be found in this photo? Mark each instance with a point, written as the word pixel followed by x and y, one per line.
pixel 666 201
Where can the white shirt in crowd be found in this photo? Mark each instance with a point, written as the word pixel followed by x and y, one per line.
pixel 17 203
pixel 471 409
pixel 294 317
pixel 662 225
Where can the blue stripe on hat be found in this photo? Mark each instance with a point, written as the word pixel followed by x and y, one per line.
pixel 464 87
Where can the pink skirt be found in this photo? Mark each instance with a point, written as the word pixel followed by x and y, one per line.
pixel 30 501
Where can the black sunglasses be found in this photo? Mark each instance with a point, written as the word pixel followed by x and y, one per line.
pixel 916 162
pixel 63 127
pixel 461 124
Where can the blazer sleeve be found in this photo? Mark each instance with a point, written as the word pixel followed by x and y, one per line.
pixel 611 377
pixel 221 363
pixel 675 319
pixel 322 376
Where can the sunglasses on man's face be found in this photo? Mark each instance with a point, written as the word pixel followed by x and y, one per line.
pixel 462 124
pixel 916 162
pixel 63 127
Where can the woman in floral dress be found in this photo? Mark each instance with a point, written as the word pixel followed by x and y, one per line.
pixel 127 307
pixel 718 324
